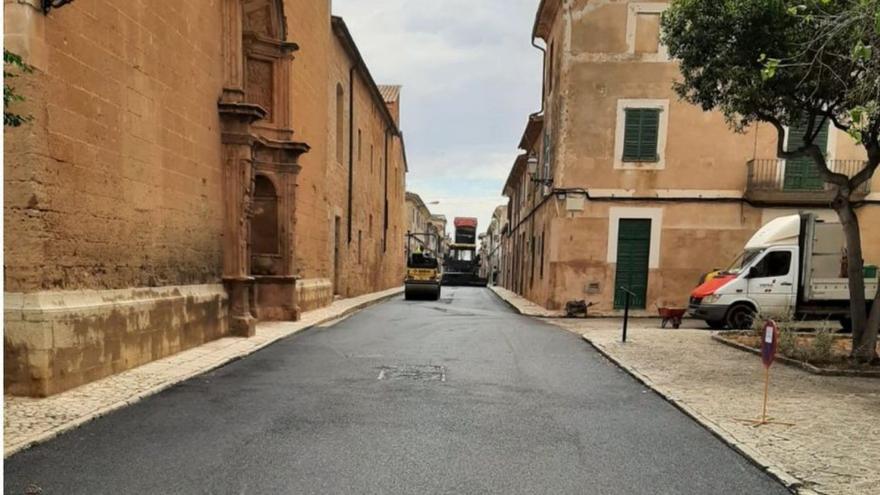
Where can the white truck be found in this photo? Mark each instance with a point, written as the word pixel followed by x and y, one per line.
pixel 794 266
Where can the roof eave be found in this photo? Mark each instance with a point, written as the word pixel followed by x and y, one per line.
pixel 544 19
pixel 340 29
pixel 531 132
pixel 417 199
pixel 515 171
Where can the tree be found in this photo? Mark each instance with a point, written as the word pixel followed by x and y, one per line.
pixel 786 62
pixel 15 64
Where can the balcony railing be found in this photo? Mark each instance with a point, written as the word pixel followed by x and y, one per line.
pixel 797 181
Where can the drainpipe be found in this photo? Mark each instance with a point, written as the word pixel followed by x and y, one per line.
pixel 543 77
pixel 385 234
pixel 350 146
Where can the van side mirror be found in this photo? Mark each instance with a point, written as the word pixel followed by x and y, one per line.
pixel 753 272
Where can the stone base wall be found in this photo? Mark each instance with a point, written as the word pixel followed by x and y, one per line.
pixel 55 341
pixel 313 293
pixel 275 298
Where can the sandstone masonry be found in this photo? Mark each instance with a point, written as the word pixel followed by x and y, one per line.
pixel 595 205
pixel 176 182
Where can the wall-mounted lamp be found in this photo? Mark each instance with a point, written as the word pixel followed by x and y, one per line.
pixel 532 163
pixel 53 4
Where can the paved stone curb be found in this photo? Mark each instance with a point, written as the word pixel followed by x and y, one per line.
pixel 793 484
pixel 721 337
pixel 526 307
pixel 522 305
pixel 42 437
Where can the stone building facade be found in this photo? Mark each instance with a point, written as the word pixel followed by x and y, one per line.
pixel 621 184
pixel 491 253
pixel 354 179
pixel 420 220
pixel 172 184
pixel 437 225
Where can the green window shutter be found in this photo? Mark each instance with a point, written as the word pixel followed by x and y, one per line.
pixel 801 174
pixel 650 134
pixel 641 134
pixel 632 135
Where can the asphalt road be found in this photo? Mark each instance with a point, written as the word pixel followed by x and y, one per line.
pixel 456 396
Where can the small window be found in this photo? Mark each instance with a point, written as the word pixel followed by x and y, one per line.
pixel 641 131
pixel 542 255
pixel 775 264
pixel 548 153
pixel 340 102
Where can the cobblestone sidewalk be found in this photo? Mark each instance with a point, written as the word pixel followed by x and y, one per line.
pixel 834 446
pixel 27 421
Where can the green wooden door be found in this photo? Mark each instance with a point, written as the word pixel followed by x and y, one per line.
pixel 633 250
pixel 801 173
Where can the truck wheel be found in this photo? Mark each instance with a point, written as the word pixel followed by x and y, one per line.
pixel 740 317
pixel 716 324
pixel 845 325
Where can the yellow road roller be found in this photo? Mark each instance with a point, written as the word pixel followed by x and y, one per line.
pixel 422 271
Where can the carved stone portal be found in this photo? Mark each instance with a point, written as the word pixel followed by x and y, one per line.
pixel 260 158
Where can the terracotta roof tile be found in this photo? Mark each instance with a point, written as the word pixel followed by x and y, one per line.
pixel 390 93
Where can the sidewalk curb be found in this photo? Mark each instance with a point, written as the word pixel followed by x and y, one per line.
pixel 76 423
pixel 510 304
pixel 516 308
pixel 561 315
pixel 720 337
pixel 792 483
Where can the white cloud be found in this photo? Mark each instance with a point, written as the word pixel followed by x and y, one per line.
pixel 470 78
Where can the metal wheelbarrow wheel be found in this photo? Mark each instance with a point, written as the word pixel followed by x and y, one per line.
pixel 671 315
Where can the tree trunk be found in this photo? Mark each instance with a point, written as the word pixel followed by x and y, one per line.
pixel 863 348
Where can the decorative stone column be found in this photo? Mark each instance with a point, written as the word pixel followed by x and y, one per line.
pixel 236 120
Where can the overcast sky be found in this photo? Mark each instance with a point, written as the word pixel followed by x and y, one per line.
pixel 470 79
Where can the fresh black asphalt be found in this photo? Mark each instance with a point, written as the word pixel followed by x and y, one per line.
pixel 473 399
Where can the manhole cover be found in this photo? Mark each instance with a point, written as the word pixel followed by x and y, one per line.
pixel 424 372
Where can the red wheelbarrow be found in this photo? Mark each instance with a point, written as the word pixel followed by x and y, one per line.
pixel 671 315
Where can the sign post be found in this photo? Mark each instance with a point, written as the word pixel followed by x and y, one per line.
pixel 769 345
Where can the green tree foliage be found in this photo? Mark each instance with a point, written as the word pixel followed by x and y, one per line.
pixel 785 62
pixel 13 65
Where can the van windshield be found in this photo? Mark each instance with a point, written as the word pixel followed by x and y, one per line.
pixel 744 259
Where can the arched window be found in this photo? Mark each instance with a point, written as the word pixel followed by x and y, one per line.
pixel 340 108
pixel 264 224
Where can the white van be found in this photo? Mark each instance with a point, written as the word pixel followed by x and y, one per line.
pixel 792 267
